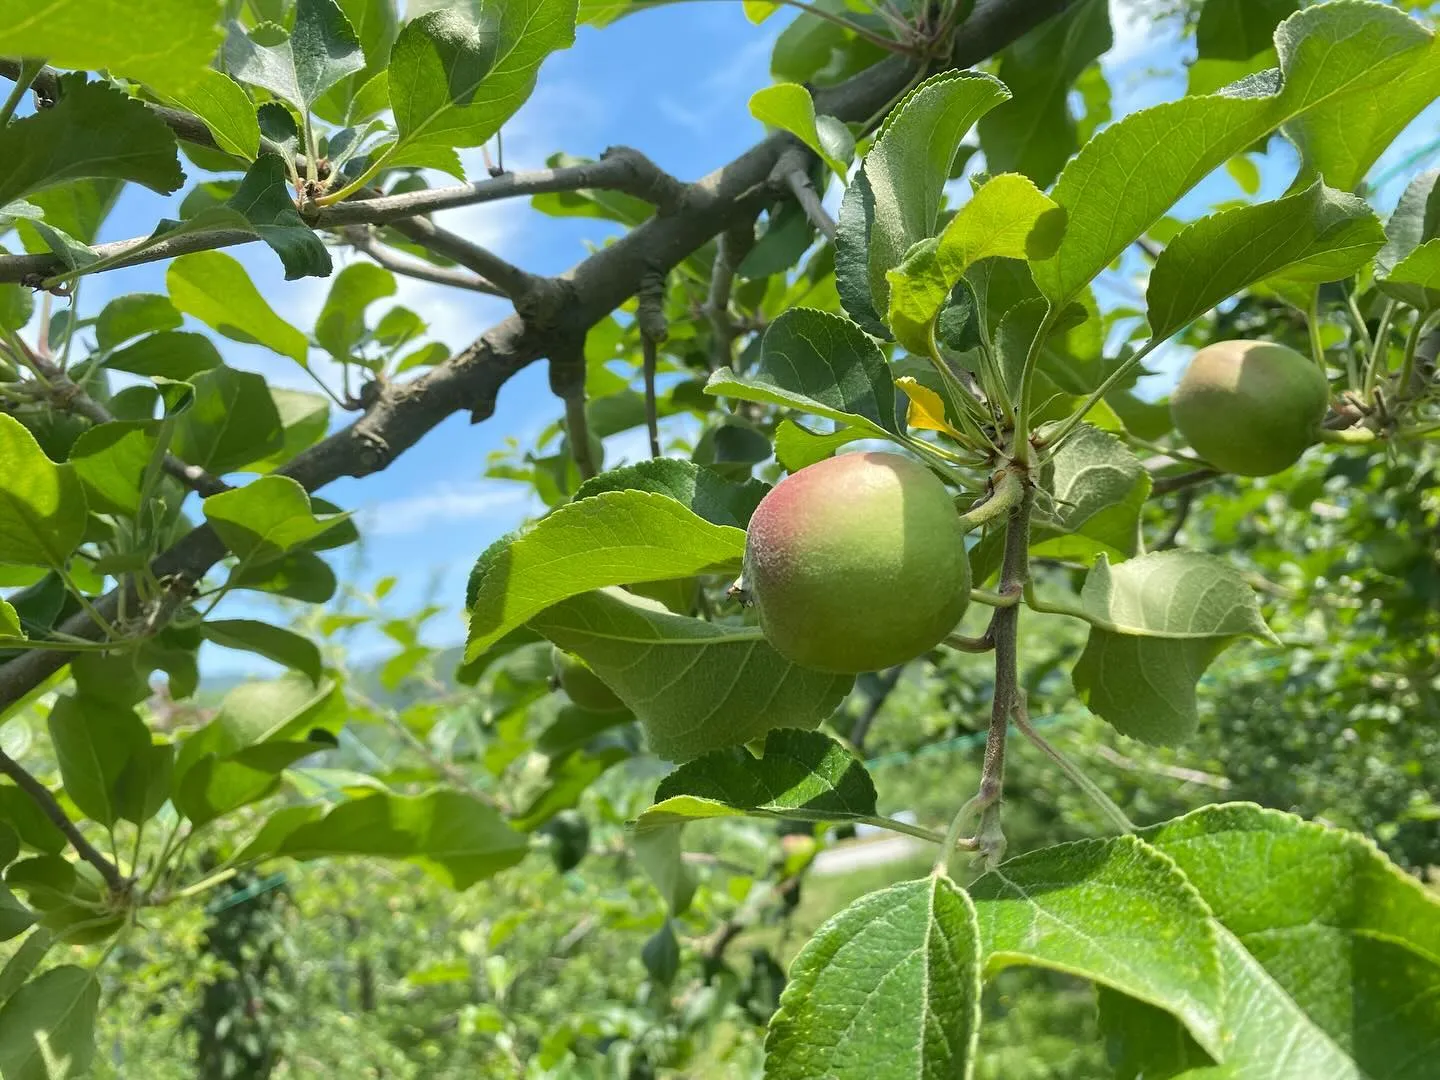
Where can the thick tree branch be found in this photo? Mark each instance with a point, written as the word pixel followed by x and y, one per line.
pixel 472 379
pixel 40 795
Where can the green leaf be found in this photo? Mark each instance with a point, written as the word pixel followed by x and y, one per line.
pixel 1132 172
pixel 717 500
pixel 888 987
pixel 227 111
pixel 375 26
pixel 21 813
pixel 822 364
pixel 1340 140
pixel 1155 942
pixel 261 729
pixel 132 315
pixel 661 955
pixel 1416 219
pixel 231 422
pixel 789 107
pixel 305 418
pixel 1006 217
pixel 1330 953
pixel 1094 492
pixel 267 518
pixel 658 853
pixel 15 917
pixel 169 354
pixel 1415 279
pixel 42 504
pixel 802 776
pixel 214 287
pixel 264 201
pixel 77 208
pixel 10 626
pixel 272 642
pixel 320 50
pixel 47 1029
pixel 1157 622
pixel 167 44
pixel 1313 236
pixel 796 446
pixel 1033 133
pixel 110 460
pixel 341 323
pixel 613 538
pixel 144 785
pixel 735 686
pixel 454 836
pixel 94 741
pixel 905 174
pixel 454 82
pixel 94 130
pixel 301 575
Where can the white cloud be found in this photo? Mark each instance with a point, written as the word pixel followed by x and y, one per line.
pixel 449 502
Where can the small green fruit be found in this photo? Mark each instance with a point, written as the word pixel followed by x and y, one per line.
pixel 1250 407
pixel 857 563
pixel 582 685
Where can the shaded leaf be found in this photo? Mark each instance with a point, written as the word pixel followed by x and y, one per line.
pixel 456 837
pixel 736 687
pixel 802 775
pixel 231 422
pixel 272 642
pixel 1312 236
pixel 717 500
pixel 320 50
pixel 1033 133
pixel 47 1028
pixel 822 364
pixel 1160 619
pixel 94 742
pixel 93 130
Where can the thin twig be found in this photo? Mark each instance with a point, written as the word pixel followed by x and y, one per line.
pixel 361 239
pixel 42 798
pixel 888 680
pixel 793 170
pixel 1166 484
pixel 650 314
pixel 1182 513
pixel 1117 817
pixel 730 250
pixel 504 277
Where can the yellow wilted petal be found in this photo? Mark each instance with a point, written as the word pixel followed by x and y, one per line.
pixel 927 410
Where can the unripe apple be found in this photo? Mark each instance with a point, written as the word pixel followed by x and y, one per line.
pixel 857 563
pixel 582 685
pixel 1250 407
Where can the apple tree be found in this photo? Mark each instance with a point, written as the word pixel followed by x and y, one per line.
pixel 713 604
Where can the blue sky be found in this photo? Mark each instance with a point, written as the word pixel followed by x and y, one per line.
pixel 674 83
